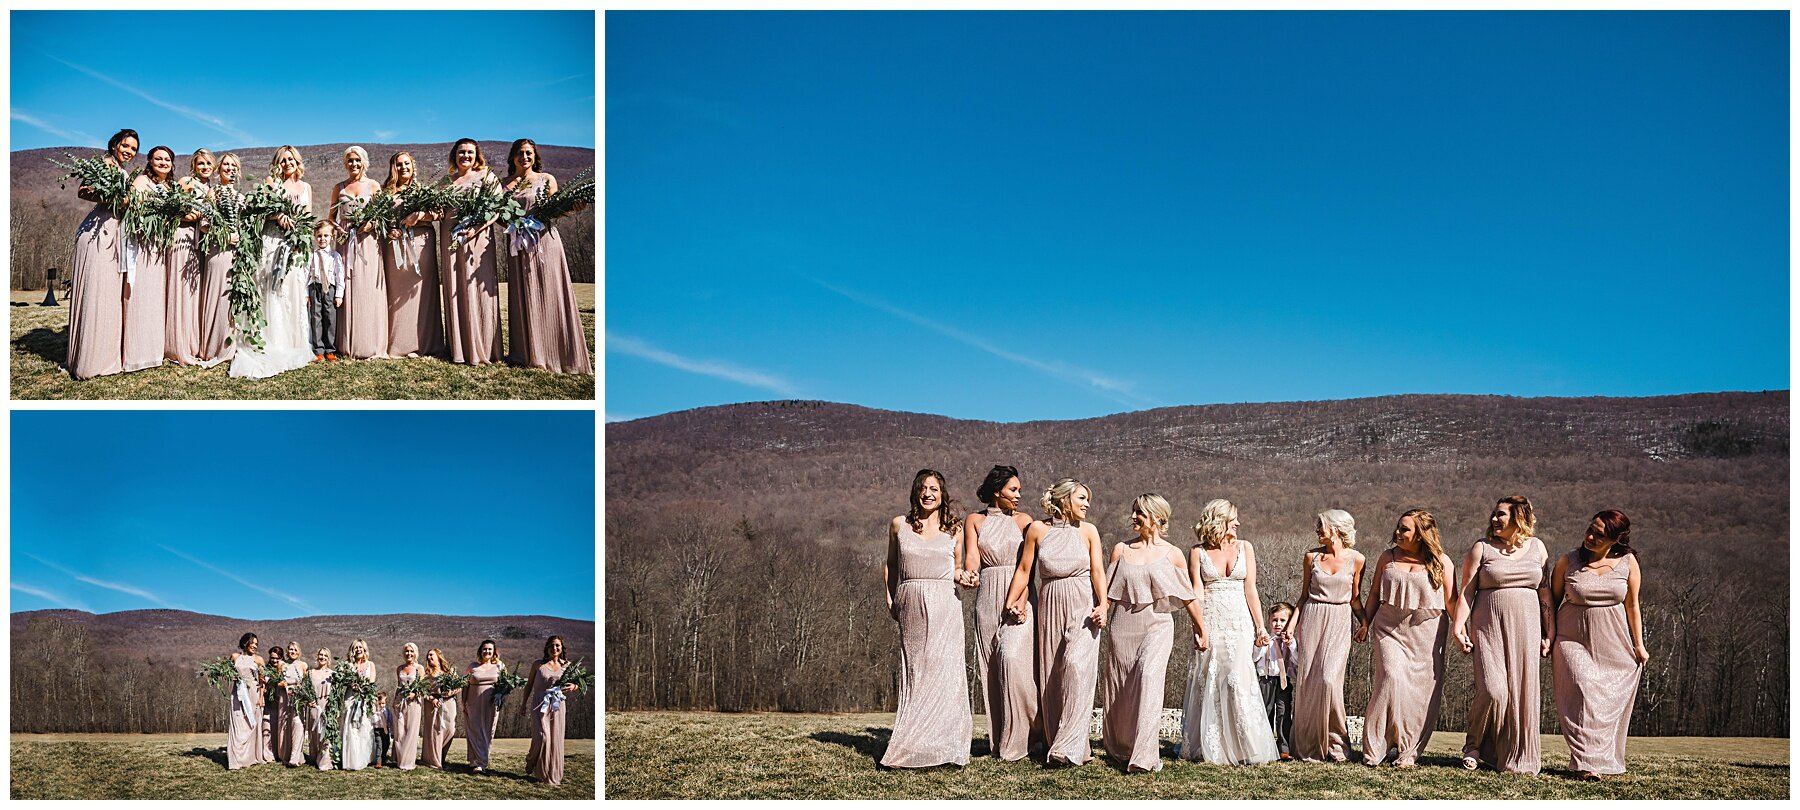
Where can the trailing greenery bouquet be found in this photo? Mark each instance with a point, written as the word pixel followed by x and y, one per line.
pixel 153 216
pixel 577 674
pixel 268 200
pixel 220 674
pixel 428 198
pixel 228 213
pixel 508 682
pixel 347 683
pixel 478 207
pixel 111 183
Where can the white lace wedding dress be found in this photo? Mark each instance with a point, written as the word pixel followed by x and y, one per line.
pixel 1223 719
pixel 286 341
pixel 359 727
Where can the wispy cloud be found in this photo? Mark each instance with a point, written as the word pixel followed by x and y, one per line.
pixel 75 137
pixel 1114 389
pixel 288 598
pixel 243 138
pixel 570 77
pixel 101 583
pixel 710 368
pixel 385 134
pixel 50 597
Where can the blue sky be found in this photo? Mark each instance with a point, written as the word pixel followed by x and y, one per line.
pixel 227 80
pixel 1060 215
pixel 249 514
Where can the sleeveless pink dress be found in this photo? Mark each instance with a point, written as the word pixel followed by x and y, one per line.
pixel 932 725
pixel 1408 635
pixel 415 297
pixel 1506 628
pixel 1596 673
pixel 146 308
pixel 1321 727
pixel 290 741
pixel 181 313
pixel 471 291
pixel 244 739
pixel 1068 648
pixel 543 323
pixel 97 297
pixel 363 322
pixel 1140 636
pixel 215 308
pixel 544 757
pixel 407 716
pixel 1005 652
pixel 478 705
pixel 319 745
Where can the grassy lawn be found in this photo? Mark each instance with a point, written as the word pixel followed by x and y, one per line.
pixel 689 755
pixel 40 346
pixel 192 766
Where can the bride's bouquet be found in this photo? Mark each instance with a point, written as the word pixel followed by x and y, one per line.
pixel 220 674
pixel 226 214
pixel 269 200
pixel 152 217
pixel 478 207
pixel 508 682
pixel 349 683
pixel 110 183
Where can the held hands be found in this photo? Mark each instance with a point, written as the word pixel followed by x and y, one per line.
pixel 968 579
pixel 1462 639
pixel 1361 635
pixel 1545 645
pixel 1262 638
pixel 1017 612
pixel 1098 616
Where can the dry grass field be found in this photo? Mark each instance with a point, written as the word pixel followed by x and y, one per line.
pixel 192 766
pixel 691 755
pixel 40 346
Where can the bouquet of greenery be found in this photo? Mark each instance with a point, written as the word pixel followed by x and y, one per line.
pixel 425 198
pixel 305 697
pixel 109 182
pixel 551 207
pixel 153 216
pixel 347 683
pixel 220 674
pixel 377 211
pixel 577 674
pixel 478 207
pixel 267 200
pixel 228 213
pixel 272 677
pixel 508 682
pixel 420 688
pixel 449 683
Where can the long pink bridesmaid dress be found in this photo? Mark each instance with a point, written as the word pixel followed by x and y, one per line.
pixel 245 735
pixel 271 721
pixel 407 714
pixel 415 293
pixel 471 290
pixel 1321 727
pixel 1140 636
pixel 1005 652
pixel 182 310
pixel 97 296
pixel 291 746
pixel 363 322
pixel 146 306
pixel 932 724
pixel 478 706
pixel 1593 662
pixel 1506 628
pixel 315 725
pixel 1408 634
pixel 215 308
pixel 543 321
pixel 440 729
pixel 1068 644
pixel 544 759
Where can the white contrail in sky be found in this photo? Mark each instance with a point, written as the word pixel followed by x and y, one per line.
pixel 1115 390
pixel 220 124
pixel 288 598
pixel 101 583
pixel 710 368
pixel 52 598
pixel 75 137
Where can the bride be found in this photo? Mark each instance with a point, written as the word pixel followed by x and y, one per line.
pixel 1222 718
pixel 285 340
pixel 359 718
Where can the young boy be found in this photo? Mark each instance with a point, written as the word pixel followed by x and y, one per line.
pixel 1275 665
pixel 382 716
pixel 324 293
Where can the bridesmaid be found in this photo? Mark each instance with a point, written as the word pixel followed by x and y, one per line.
pixel 315 722
pixel 440 725
pixel 97 275
pixel 932 724
pixel 1599 654
pixel 1148 581
pixel 471 284
pixel 358 722
pixel 290 748
pixel 215 309
pixel 1005 654
pixel 147 275
pixel 547 713
pixel 1065 551
pixel 245 737
pixel 363 324
pixel 478 704
pixel 1504 594
pixel 543 323
pixel 271 721
pixel 415 312
pixel 181 316
pixel 407 710
pixel 1329 601
pixel 1411 587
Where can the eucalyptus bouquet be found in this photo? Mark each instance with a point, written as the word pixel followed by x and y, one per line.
pixel 478 207
pixel 305 697
pixel 577 674
pixel 272 676
pixel 269 200
pixel 425 198
pixel 228 213
pixel 420 688
pixel 111 183
pixel 508 682
pixel 377 211
pixel 449 683
pixel 551 207
pixel 153 216
pixel 220 674
pixel 347 683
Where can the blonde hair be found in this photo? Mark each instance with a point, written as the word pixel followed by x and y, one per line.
pixel 1156 508
pixel 275 164
pixel 365 648
pixel 442 666
pixel 1059 499
pixel 219 170
pixel 1522 516
pixel 1214 517
pixel 391 183
pixel 198 153
pixel 1341 522
pixel 359 152
pixel 325 651
pixel 409 646
pixel 1425 526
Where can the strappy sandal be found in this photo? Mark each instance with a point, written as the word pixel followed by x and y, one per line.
pixel 1471 763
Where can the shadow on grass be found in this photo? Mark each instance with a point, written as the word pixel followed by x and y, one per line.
pixel 214 754
pixel 872 743
pixel 46 343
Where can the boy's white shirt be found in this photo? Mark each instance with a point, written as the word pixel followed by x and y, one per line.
pixel 326 269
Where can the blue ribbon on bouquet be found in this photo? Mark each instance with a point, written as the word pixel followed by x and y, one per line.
pixel 553 700
pixel 524 234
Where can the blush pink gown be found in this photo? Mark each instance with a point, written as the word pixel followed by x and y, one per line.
pixel 363 321
pixel 97 297
pixel 1068 644
pixel 315 720
pixel 1005 652
pixel 544 758
pixel 1140 636
pixel 415 296
pixel 1506 629
pixel 407 714
pixel 471 291
pixel 543 322
pixel 244 739
pixel 1596 673
pixel 932 723
pixel 480 712
pixel 1321 727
